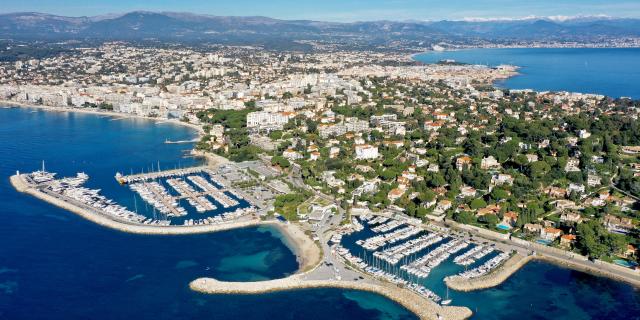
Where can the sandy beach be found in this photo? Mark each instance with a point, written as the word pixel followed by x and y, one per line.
pixel 308 252
pixel 196 127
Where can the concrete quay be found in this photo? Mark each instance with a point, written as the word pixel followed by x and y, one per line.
pixel 421 307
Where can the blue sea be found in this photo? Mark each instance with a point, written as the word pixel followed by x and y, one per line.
pixel 56 265
pixel 614 72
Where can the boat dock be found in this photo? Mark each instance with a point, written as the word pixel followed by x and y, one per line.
pixel 124 179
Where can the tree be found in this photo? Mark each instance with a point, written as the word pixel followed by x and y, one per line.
pixel 490 219
pixel 280 161
pixel 477 204
pixel 538 169
pixel 464 217
pixel 499 194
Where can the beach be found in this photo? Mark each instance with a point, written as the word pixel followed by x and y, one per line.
pixel 196 127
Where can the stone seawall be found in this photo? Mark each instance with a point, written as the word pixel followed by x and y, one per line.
pixel 421 307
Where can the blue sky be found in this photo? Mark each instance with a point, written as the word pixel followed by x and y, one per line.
pixel 341 10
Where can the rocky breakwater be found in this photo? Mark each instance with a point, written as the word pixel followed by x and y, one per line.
pixel 423 308
pixel 491 279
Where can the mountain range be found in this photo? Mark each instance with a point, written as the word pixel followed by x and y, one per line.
pixel 189 27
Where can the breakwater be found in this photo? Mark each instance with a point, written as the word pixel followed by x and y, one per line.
pixel 492 279
pixel 421 307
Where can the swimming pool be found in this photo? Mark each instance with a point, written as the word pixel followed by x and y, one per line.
pixel 544 242
pixel 625 263
pixel 503 227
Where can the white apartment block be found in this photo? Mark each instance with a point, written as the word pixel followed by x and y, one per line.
pixel 366 151
pixel 262 120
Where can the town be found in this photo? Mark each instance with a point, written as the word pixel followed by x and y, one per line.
pixel 419 156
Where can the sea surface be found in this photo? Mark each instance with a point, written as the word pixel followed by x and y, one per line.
pixel 56 265
pixel 614 72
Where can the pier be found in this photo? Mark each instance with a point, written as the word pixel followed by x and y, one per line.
pixel 124 179
pixel 167 141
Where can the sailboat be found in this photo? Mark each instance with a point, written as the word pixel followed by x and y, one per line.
pixel 446 300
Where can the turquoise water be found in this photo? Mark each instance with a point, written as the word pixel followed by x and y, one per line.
pixel 612 72
pixel 503 227
pixel 56 265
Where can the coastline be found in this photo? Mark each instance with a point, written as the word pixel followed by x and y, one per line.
pixel 196 127
pixel 308 252
pixel 421 307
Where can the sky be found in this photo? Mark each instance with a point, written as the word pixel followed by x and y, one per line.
pixel 340 10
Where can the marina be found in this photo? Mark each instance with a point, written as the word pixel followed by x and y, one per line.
pixel 397 251
pixel 171 195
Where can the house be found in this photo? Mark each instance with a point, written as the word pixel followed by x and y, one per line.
pixel 631 149
pixel 593 180
pixel 532 157
pixel 490 209
pixel 444 205
pixel 563 204
pixel 533 228
pixel 571 216
pixel 395 194
pixel 501 179
pixel 618 224
pixel 510 218
pixel 577 188
pixel 291 154
pixel 567 240
pixel 489 163
pixel 334 152
pixel 573 165
pixel 395 143
pixel 463 162
pixel 467 191
pixel 403 182
pixel 314 155
pixel 555 192
pixel 630 251
pixel 583 134
pixel 550 233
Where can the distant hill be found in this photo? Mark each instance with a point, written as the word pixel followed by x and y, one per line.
pixel 176 26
